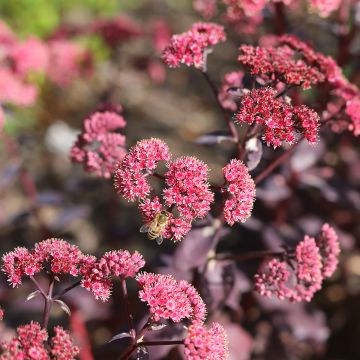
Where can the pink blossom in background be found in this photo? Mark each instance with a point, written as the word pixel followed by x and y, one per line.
pixel 191 47
pixel 226 94
pixel 239 191
pixel 68 62
pixel 62 347
pixel 161 34
pixel 142 159
pixel 301 275
pixel 206 8
pixel 324 7
pixel 15 90
pixel 7 37
pixel 2 119
pixel 97 275
pixel 329 246
pixel 353 111
pixel 30 55
pixel 99 147
pixel 249 7
pixel 280 120
pixel 170 299
pixel 115 31
pixel 206 343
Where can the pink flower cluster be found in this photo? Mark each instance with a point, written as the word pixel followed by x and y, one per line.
pixel 191 47
pixel 97 275
pixel 31 344
pixel 206 344
pixel 240 190
pixel 186 190
pixel 325 7
pixel 60 257
pixel 280 119
pixel 170 299
pixel 57 254
pixel 231 84
pixel 99 147
pixel 299 276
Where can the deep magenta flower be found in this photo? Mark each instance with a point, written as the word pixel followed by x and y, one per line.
pixel 97 275
pixel 142 159
pixel 170 299
pixel 99 147
pixel 206 344
pixel 239 190
pixel 191 47
pixel 280 120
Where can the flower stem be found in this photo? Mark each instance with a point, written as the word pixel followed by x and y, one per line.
pixel 130 318
pixel 67 289
pixel 165 342
pixel 248 256
pixel 48 303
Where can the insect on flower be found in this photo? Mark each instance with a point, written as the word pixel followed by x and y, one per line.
pixel 156 227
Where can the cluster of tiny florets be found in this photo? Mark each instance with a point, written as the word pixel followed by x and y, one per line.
pixel 97 275
pixel 99 147
pixel 170 299
pixel 280 120
pixel 187 190
pixel 206 343
pixel 300 276
pixel 142 159
pixel 191 47
pixel 31 344
pixel 240 190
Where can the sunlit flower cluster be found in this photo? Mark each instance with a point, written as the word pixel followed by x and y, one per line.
pixel 187 190
pixel 100 147
pixel 206 343
pixel 240 191
pixel 281 120
pixel 191 47
pixel 31 344
pixel 299 276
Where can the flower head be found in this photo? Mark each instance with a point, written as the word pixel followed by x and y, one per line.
pixel 99 147
pixel 97 274
pixel 142 160
pixel 191 47
pixel 206 344
pixel 329 246
pixel 170 299
pixel 240 192
pixel 62 347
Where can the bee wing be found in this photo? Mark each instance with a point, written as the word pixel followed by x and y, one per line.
pixel 159 239
pixel 145 228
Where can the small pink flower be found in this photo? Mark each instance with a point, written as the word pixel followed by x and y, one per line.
pixel 325 7
pixel 169 299
pixel 99 147
pixel 62 347
pixel 206 344
pixel 142 160
pixel 206 8
pixel 191 47
pixel 329 246
pixel 97 274
pixel 240 192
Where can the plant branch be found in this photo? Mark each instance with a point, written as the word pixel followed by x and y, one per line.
pixel 48 303
pixel 248 256
pixel 67 289
pixel 38 286
pixel 130 318
pixel 165 342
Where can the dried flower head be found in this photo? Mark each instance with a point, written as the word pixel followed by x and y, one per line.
pixel 206 344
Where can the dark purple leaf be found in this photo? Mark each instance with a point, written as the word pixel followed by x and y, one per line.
pixel 64 307
pixel 120 336
pixel 33 295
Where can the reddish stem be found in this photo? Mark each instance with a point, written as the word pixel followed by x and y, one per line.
pixel 67 289
pixel 48 303
pixel 248 256
pixel 130 318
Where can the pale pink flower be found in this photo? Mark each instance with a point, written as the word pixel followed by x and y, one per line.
pixel 239 190
pixel 170 299
pixel 206 344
